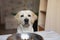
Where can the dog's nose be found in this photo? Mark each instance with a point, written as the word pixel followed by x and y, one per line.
pixel 26 20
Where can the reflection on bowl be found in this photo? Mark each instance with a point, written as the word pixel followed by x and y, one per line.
pixel 25 36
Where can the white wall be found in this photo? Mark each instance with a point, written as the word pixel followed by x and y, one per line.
pixel 53 16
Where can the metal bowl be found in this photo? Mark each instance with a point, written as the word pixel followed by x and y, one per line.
pixel 25 36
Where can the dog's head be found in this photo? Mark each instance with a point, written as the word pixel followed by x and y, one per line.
pixel 25 17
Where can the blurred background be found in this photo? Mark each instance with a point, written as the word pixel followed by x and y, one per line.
pixel 48 12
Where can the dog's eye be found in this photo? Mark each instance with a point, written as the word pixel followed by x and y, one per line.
pixel 22 15
pixel 29 15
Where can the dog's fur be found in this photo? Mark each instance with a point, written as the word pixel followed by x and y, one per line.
pixel 21 16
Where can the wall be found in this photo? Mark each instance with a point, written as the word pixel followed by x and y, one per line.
pixel 8 6
pixel 53 16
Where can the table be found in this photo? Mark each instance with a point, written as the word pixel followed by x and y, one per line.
pixel 47 35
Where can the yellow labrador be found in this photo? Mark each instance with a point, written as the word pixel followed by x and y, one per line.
pixel 25 20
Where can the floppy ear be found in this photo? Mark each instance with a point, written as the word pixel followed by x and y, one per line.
pixel 17 18
pixel 34 17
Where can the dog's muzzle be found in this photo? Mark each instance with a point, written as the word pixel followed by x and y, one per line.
pixel 26 21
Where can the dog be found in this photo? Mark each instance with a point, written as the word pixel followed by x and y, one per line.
pixel 25 20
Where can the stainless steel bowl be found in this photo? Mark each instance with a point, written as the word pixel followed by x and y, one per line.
pixel 25 36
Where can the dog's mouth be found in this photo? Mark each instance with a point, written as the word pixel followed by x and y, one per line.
pixel 26 25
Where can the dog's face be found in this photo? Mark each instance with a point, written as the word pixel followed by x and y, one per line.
pixel 25 17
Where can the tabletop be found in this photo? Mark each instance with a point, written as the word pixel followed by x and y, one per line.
pixel 47 35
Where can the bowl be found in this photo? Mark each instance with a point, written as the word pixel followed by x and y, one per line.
pixel 25 36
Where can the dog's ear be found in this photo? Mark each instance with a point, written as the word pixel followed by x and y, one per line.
pixel 34 17
pixel 17 18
